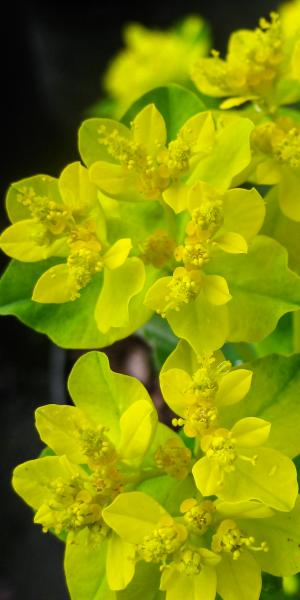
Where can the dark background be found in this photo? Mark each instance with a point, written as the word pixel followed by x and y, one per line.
pixel 52 56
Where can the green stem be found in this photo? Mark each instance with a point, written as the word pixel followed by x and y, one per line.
pixel 296 331
pixel 139 477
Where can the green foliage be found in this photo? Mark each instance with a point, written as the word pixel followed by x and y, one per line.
pixel 175 103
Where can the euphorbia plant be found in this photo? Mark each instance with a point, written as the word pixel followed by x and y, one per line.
pixel 190 212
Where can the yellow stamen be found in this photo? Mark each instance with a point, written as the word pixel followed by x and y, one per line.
pixel 231 540
pixel 174 458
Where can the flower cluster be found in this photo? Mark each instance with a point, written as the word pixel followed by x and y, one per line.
pixel 182 224
pixel 152 58
pixel 126 491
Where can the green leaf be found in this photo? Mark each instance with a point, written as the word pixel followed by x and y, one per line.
pixel 174 102
pixel 70 325
pixel 144 585
pixel 280 341
pixel 282 229
pixel 160 338
pixel 169 492
pixel 262 286
pixel 274 396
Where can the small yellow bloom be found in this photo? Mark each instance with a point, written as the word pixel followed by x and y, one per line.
pixel 153 58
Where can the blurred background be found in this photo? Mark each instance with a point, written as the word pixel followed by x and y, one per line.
pixel 52 58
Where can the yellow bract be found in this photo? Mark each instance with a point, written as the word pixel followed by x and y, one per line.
pixel 139 160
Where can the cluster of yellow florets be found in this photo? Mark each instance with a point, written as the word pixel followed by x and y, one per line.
pixel 162 218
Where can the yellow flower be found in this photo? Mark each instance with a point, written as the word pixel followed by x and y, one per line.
pixel 138 163
pixel 276 146
pixel 198 396
pixel 260 65
pixel 152 58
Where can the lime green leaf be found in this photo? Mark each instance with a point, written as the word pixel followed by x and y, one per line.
pixel 169 492
pixel 280 341
pixel 282 229
pixel 288 190
pixel 160 338
pixel 120 563
pixel 262 289
pixel 136 220
pixel 85 569
pixel 175 103
pixel 287 91
pixel 102 394
pixel 70 325
pixel 274 396
pixel 239 579
pixel 144 585
pixel 282 534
